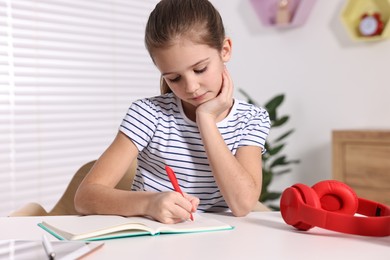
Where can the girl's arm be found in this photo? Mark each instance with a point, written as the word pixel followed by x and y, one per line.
pixel 97 194
pixel 238 177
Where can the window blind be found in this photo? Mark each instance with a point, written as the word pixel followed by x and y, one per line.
pixel 69 69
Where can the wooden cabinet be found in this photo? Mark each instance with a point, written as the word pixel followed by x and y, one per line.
pixel 361 159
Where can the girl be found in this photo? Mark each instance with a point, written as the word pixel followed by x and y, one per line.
pixel 212 141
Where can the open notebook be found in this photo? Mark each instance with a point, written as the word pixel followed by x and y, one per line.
pixel 99 227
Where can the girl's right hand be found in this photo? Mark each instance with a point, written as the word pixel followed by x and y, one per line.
pixel 171 207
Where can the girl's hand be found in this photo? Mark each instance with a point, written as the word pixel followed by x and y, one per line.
pixel 222 102
pixel 171 207
pixel 194 201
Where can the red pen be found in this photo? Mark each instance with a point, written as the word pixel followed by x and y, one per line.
pixel 175 184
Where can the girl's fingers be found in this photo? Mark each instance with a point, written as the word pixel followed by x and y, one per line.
pixel 194 201
pixel 175 208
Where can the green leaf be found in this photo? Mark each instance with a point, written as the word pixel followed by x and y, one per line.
pixel 272 116
pixel 284 135
pixel 279 161
pixel 273 207
pixel 282 172
pixel 294 161
pixel 263 196
pixel 267 178
pixel 269 196
pixel 274 103
pixel 275 150
pixel 274 195
pixel 280 121
pixel 265 158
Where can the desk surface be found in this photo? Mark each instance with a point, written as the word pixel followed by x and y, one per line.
pixel 260 235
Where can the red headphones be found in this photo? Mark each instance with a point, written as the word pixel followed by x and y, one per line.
pixel 332 205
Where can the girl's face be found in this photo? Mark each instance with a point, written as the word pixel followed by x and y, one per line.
pixel 192 71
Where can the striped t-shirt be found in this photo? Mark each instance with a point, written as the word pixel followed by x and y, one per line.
pixel 165 136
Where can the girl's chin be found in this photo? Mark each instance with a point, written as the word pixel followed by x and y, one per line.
pixel 191 105
pixel 202 99
pixel 197 103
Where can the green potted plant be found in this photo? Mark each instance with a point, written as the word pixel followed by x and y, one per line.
pixel 274 161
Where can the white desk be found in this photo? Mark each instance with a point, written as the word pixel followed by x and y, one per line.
pixel 260 235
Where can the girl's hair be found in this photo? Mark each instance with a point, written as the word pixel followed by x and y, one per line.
pixel 171 19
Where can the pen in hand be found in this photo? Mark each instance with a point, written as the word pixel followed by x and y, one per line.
pixel 175 184
pixel 48 248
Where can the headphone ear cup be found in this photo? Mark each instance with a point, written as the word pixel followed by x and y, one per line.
pixel 337 197
pixel 291 199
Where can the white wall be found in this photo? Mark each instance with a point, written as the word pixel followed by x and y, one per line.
pixel 330 81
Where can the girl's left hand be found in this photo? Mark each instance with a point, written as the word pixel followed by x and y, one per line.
pixel 222 102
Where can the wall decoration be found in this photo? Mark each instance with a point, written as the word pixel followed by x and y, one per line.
pixel 283 13
pixel 367 20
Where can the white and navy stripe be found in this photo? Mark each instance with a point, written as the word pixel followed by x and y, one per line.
pixel 165 136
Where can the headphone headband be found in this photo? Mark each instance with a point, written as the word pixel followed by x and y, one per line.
pixel 372 208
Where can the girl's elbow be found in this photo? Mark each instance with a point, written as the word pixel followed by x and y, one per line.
pixel 240 213
pixel 242 209
pixel 79 203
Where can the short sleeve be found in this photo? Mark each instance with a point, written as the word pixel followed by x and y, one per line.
pixel 256 128
pixel 139 123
